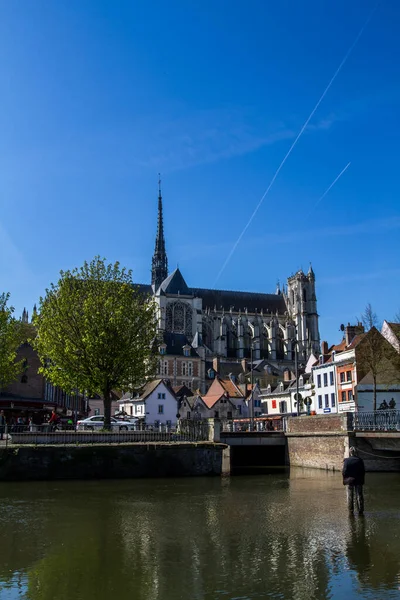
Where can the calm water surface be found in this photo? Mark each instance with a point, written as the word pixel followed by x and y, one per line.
pixel 280 535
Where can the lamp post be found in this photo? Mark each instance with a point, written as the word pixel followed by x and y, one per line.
pixel 251 389
pixel 296 374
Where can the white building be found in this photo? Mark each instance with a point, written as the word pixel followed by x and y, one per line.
pixel 156 404
pixel 324 377
pixel 282 399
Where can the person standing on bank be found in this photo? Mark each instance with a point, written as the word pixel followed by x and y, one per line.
pixel 353 477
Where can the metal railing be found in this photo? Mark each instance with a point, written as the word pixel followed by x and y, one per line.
pixel 261 425
pixel 378 420
pixel 184 431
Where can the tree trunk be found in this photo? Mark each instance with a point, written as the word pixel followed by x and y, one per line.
pixel 107 409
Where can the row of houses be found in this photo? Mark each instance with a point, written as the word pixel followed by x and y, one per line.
pixel 161 403
pixel 360 373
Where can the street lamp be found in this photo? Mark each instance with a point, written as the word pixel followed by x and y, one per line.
pixel 251 402
pixel 296 374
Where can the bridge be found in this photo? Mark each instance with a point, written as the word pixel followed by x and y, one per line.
pixel 320 441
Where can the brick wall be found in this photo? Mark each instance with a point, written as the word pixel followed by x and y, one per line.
pixel 317 423
pixel 317 452
pixel 34 386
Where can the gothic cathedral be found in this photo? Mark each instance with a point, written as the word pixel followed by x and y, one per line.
pixel 198 325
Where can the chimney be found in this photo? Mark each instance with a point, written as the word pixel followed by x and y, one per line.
pixel 286 375
pixel 216 364
pixel 350 332
pixel 243 362
pixel 324 347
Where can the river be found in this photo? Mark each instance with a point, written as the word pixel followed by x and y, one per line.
pixel 280 535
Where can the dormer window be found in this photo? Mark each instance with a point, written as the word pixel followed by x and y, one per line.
pixel 186 351
pixel 163 349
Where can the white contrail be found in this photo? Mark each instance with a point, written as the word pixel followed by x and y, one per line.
pixel 349 51
pixel 328 189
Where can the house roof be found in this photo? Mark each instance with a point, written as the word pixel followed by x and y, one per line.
pixel 175 342
pixel 230 388
pixel 338 347
pixel 356 340
pixel 211 400
pixel 182 390
pixel 147 390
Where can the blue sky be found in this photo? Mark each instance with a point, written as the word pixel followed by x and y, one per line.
pixel 97 97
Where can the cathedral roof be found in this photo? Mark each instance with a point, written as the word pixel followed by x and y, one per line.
pixel 175 284
pixel 220 299
pixel 253 301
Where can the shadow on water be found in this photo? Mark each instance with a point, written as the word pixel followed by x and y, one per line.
pixel 286 535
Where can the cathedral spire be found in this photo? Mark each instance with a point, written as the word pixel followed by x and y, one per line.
pixel 159 264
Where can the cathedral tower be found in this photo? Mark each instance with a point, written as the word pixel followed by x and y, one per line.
pixel 302 304
pixel 159 263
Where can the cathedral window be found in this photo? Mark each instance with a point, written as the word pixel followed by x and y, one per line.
pixel 280 350
pixel 179 318
pixel 208 335
pixel 304 295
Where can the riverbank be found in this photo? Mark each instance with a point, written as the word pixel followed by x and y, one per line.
pixel 122 461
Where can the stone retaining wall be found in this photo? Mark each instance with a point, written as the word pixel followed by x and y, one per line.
pixel 106 462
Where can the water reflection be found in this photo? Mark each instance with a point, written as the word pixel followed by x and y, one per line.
pixel 274 536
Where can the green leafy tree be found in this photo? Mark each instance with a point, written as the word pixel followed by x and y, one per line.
pixel 96 332
pixel 10 339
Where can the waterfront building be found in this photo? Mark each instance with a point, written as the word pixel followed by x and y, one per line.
pixel 282 398
pixel 196 325
pixel 324 378
pixel 32 395
pixel 155 404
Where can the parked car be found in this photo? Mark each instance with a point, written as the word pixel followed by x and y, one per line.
pixel 97 422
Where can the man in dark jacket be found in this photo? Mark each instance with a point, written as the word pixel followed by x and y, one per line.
pixel 353 476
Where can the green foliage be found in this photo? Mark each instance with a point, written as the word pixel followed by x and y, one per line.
pixel 10 339
pixel 96 332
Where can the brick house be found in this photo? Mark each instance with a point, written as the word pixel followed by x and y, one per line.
pixel 180 362
pixel 32 394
